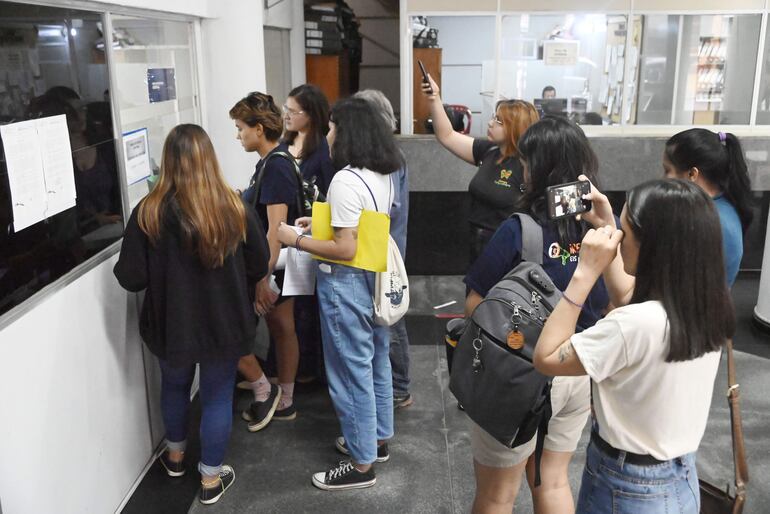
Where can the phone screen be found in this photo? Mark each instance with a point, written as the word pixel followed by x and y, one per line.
pixel 567 199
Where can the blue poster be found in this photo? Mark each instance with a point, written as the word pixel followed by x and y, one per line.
pixel 161 84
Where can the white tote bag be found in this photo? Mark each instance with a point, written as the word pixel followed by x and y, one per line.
pixel 391 289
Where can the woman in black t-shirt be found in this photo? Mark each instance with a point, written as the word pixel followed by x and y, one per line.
pixel 495 188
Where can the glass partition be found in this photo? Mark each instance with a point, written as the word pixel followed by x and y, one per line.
pixel 157 90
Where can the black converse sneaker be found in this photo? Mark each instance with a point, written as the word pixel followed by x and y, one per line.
pixel 209 495
pixel 344 476
pixel 259 414
pixel 173 469
pixel 382 450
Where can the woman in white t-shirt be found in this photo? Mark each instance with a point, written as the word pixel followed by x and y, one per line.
pixel 653 361
pixel 355 348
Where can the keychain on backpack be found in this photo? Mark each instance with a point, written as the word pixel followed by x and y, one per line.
pixel 515 339
pixel 476 363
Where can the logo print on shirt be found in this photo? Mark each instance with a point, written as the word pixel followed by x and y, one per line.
pixel 555 251
pixel 504 176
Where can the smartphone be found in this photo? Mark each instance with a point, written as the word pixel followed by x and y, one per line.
pixel 566 200
pixel 424 74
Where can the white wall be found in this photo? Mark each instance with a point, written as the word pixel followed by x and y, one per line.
pixel 233 64
pixel 75 431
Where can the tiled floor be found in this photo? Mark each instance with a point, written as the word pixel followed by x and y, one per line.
pixel 430 470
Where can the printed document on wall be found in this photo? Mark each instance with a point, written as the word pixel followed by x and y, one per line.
pixel 58 170
pixel 25 173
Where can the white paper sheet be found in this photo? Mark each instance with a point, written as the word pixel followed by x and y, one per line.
pixel 299 278
pixel 136 146
pixel 56 154
pixel 25 173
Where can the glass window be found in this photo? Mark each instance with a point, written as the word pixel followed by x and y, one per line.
pixel 698 69
pixel 763 105
pixel 52 63
pixel 463 50
pixel 156 83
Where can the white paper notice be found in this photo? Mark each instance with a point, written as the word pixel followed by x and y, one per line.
pixel 58 170
pixel 299 278
pixel 136 148
pixel 25 173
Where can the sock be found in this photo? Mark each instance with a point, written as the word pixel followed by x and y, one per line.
pixel 261 388
pixel 287 395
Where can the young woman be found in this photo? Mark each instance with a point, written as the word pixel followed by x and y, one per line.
pixel 355 348
pixel 199 252
pixel 553 151
pixel 399 218
pixel 274 192
pixel 495 188
pixel 715 162
pixel 306 121
pixel 652 361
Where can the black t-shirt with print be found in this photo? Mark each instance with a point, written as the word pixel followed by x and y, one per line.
pixel 495 188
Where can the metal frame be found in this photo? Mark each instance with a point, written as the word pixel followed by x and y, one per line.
pixel 107 11
pixel 623 129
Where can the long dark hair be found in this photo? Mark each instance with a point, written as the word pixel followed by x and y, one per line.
pixel 362 138
pixel 681 264
pixel 722 164
pixel 314 103
pixel 556 151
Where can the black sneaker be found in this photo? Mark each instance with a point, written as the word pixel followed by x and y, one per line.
pixel 209 495
pixel 402 400
pixel 259 414
pixel 173 469
pixel 344 476
pixel 382 450
pixel 286 414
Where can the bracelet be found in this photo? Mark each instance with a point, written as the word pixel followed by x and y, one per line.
pixel 296 243
pixel 578 305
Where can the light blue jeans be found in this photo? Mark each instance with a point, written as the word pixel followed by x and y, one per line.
pixel 399 357
pixel 356 358
pixel 613 486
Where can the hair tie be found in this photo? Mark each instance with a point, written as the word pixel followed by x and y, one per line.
pixel 722 137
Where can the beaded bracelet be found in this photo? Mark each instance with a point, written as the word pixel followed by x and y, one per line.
pixel 578 305
pixel 296 243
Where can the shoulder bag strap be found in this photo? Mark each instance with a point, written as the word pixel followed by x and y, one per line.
pixel 367 187
pixel 261 173
pixel 531 238
pixel 739 449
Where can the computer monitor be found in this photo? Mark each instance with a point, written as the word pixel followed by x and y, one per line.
pixel 551 106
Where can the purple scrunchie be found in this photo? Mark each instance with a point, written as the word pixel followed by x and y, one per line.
pixel 722 137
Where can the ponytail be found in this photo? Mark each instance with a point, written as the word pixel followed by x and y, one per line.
pixel 719 158
pixel 737 187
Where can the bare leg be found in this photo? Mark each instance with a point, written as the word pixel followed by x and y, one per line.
pixel 554 495
pixel 250 368
pixel 496 488
pixel 280 322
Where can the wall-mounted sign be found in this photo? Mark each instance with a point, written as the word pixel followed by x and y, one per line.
pixel 161 84
pixel 136 151
pixel 560 53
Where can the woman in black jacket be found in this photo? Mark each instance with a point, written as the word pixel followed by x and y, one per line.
pixel 198 251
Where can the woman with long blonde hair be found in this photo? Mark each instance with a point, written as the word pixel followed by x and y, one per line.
pixel 198 251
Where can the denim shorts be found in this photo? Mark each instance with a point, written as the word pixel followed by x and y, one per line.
pixel 611 485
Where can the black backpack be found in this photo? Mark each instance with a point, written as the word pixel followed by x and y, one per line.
pixel 492 374
pixel 307 192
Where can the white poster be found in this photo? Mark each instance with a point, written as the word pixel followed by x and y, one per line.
pixel 58 170
pixel 136 151
pixel 25 173
pixel 560 53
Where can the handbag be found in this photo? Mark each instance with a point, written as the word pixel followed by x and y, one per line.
pixel 715 500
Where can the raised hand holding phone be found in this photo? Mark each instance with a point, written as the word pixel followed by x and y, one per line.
pixel 600 214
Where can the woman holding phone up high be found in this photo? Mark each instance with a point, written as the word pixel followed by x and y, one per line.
pixel 495 188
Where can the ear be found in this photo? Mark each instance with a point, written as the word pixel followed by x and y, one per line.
pixel 693 174
pixel 259 129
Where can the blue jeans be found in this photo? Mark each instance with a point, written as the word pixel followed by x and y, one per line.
pixel 356 358
pixel 217 380
pixel 613 486
pixel 399 358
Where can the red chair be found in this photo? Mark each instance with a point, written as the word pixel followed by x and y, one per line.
pixel 462 115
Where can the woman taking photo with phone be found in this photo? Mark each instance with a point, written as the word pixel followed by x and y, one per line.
pixel 273 191
pixel 652 360
pixel 355 347
pixel 495 188
pixel 199 252
pixel 553 151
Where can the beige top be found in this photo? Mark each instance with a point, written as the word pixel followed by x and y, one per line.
pixel 643 404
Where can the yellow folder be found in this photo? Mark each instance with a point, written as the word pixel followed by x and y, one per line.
pixel 373 231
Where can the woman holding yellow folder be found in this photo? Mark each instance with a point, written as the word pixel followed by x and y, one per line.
pixel 355 348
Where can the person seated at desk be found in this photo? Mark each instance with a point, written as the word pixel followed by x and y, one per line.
pixel 548 92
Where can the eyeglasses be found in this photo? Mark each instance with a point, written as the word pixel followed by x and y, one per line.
pixel 497 119
pixel 291 112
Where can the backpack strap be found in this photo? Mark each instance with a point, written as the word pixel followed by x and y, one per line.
pixel 261 173
pixel 367 187
pixel 531 238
